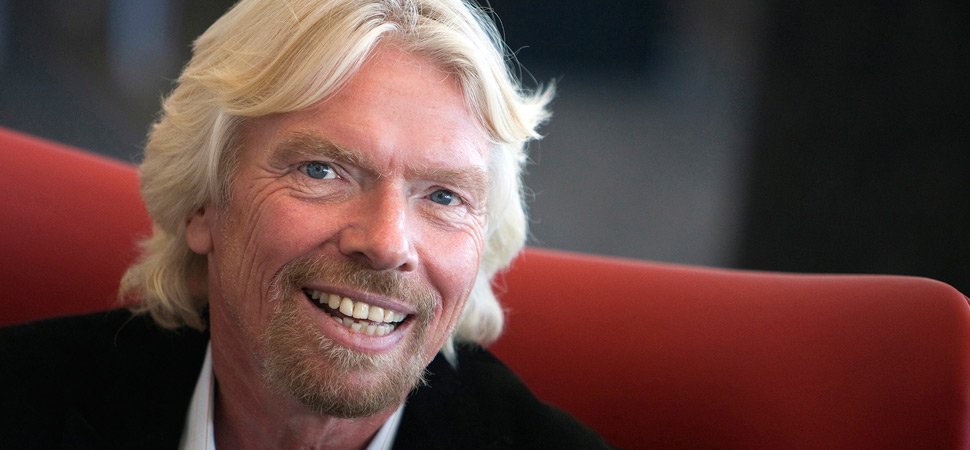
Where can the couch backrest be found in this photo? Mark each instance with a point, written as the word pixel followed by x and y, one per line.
pixel 665 356
pixel 68 227
pixel 650 355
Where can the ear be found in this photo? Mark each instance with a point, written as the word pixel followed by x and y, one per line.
pixel 198 231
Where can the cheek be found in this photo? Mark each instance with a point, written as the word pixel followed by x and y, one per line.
pixel 453 274
pixel 251 248
pixel 277 229
pixel 453 260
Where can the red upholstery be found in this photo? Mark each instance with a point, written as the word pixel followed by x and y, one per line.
pixel 68 227
pixel 661 356
pixel 650 355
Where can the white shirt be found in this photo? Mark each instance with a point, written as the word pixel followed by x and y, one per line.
pixel 199 434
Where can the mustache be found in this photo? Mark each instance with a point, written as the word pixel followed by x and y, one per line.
pixel 354 275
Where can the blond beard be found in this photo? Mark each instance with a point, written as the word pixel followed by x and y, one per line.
pixel 326 377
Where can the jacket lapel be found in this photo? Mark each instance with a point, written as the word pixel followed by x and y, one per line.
pixel 444 414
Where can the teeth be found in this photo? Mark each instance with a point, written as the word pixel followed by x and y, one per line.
pixel 361 310
pixel 376 314
pixel 375 321
pixel 368 328
pixel 347 307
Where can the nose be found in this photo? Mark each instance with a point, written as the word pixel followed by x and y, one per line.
pixel 379 234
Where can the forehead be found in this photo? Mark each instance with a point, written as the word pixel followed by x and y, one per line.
pixel 398 109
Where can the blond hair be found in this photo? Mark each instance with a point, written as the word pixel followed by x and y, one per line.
pixel 273 56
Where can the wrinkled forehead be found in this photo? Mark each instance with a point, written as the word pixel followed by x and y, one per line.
pixel 399 109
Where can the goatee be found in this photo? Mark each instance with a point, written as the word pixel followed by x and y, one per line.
pixel 329 378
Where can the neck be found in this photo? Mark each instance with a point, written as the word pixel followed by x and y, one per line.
pixel 240 428
pixel 250 414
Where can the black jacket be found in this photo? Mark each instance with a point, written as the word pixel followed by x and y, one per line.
pixel 113 380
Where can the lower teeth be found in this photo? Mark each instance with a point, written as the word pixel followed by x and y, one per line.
pixel 367 328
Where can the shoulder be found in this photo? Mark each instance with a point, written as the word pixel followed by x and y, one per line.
pixel 480 403
pixel 60 343
pixel 90 341
pixel 94 372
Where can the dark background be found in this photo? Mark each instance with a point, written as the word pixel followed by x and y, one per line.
pixel 813 136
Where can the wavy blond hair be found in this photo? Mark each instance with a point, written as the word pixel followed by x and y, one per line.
pixel 274 56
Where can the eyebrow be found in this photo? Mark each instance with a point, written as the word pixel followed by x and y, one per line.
pixel 474 181
pixel 306 144
pixel 303 144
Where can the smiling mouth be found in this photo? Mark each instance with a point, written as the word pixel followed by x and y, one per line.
pixel 356 316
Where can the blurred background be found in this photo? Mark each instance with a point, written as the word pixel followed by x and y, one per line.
pixel 811 136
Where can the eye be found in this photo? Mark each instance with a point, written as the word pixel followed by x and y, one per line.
pixel 318 170
pixel 445 197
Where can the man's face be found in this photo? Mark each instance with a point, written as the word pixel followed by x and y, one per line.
pixel 351 239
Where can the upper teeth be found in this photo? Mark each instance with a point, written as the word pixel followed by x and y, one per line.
pixel 356 309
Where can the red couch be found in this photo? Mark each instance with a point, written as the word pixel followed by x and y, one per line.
pixel 650 355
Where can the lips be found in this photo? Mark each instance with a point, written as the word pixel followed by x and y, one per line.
pixel 356 315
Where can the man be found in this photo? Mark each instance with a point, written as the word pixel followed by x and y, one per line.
pixel 333 184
